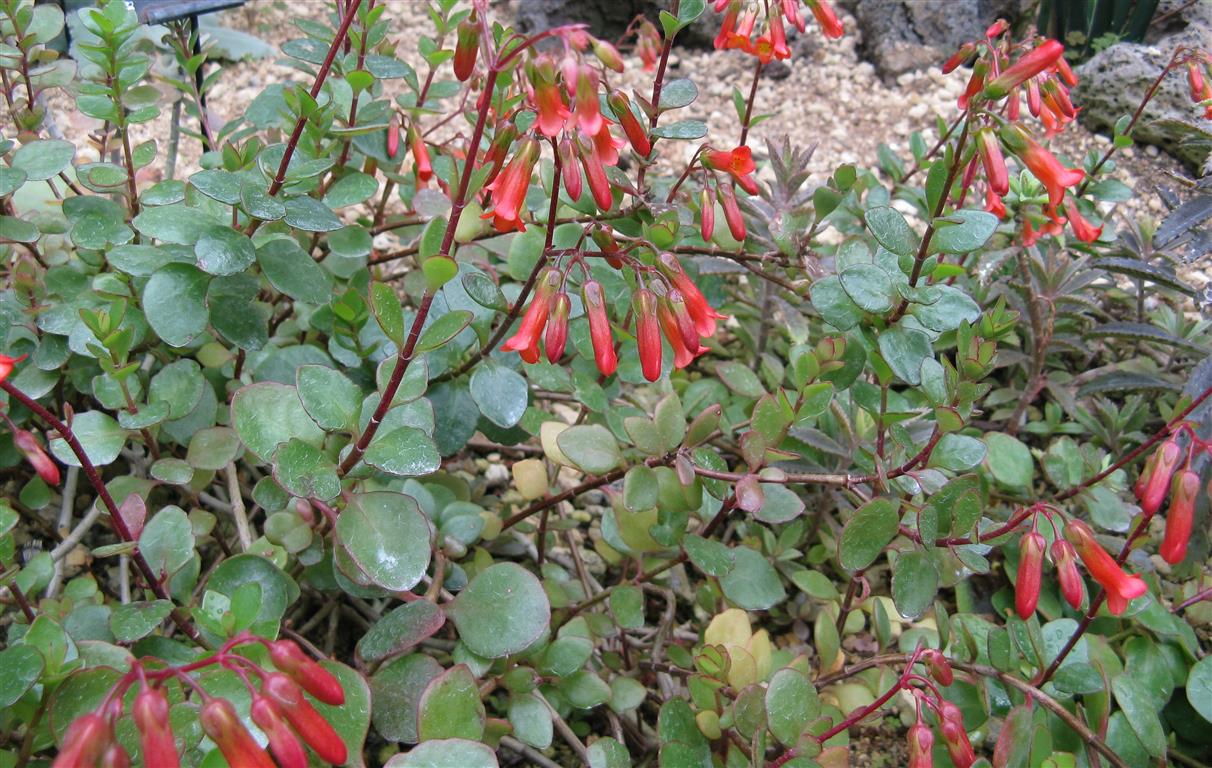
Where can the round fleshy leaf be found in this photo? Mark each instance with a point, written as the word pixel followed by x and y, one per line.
pixel 502 611
pixel 446 753
pixel 388 538
pixel 451 707
pixel 396 690
pixel 268 414
pixel 401 629
pixel 591 448
pixel 867 533
pixel 22 665
pixel 101 437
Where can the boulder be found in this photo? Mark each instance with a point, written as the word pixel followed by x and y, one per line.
pixel 901 36
pixel 1114 81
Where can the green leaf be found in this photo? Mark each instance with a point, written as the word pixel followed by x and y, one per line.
pixel 385 305
pixel 396 689
pixel 350 719
pixel 779 504
pixel 302 470
pixel 329 397
pixel 444 329
pixel 869 287
pixel 740 379
pixel 387 537
pixel 224 251
pixel 11 179
pixel 1009 460
pixel 752 584
pixel 174 302
pixel 451 707
pixel 684 130
pixel 290 270
pixel 404 452
pixel 834 305
pixel 872 528
pixel 400 630
pixel 134 621
pixel 952 308
pixel 957 452
pixel 267 414
pixel 606 752
pixel 891 230
pixel 1142 713
pixel 905 351
pixel 678 93
pixel 683 745
pixel 501 611
pixel 217 184
pixel 278 591
pixel 446 753
pixel 501 394
pixel 531 720
pixel 791 704
pixel 311 215
pixel 167 541
pixel 44 159
pixel 177 223
pixel 591 448
pixel 963 231
pixel 710 556
pixel 100 436
pixel 22 665
pixel 1199 687
pixel 640 488
pixel 627 605
pixel 914 584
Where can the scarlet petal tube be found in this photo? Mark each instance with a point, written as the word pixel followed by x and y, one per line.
pixel 1030 570
pixel 599 327
pixel 648 334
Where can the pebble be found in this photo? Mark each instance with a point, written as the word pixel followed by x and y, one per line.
pixel 497 474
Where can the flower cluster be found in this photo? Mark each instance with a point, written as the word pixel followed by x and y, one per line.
pixel 948 716
pixel 666 302
pixel 996 88
pixel 278 708
pixel 741 21
pixel 1168 472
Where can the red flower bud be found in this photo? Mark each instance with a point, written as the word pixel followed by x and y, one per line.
pixel 1043 57
pixel 1180 517
pixel 1083 229
pixel 696 304
pixel 1073 589
pixel 303 717
pixel 599 327
pixel 940 668
pixel 1013 107
pixel 997 28
pixel 830 24
pixel 687 328
pixel 791 9
pixel 307 672
pixel 1195 80
pixel 116 757
pixel 44 465
pixel 570 171
pixel 510 187
pixel 994 162
pixel 706 216
pixel 498 150
pixel 150 712
pixel 956 737
pixel 608 246
pixel 976 81
pixel 1030 571
pixel 732 212
pixel 221 723
pixel 589 116
pixel 1034 102
pixel 467 47
pixel 283 743
pixel 648 333
pixel 420 156
pixel 595 174
pixel 1157 481
pixel 6 365
pixel 608 55
pixel 393 136
pixel 557 328
pixel 1120 587
pixel 921 744
pixel 526 340
pixel 959 57
pixel 84 743
pixel 1066 73
pixel 621 106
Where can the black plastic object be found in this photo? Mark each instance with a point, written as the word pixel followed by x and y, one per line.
pixel 164 11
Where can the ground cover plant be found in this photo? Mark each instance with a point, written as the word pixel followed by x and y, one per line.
pixel 635 450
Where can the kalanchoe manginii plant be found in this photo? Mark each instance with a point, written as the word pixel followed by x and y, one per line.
pixel 779 456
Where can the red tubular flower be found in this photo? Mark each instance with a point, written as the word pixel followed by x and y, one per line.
pixel 1180 517
pixel 570 171
pixel 830 24
pixel 1013 107
pixel 1067 76
pixel 1058 97
pixel 1073 589
pixel 1042 163
pixel 1043 57
pixel 959 57
pixel 648 45
pixel 526 340
pixel 955 735
pixel 706 215
pixel 696 304
pixel 304 719
pixel 993 161
pixel 1121 588
pixel 648 333
pixel 1195 80
pixel 85 741
pixel 150 712
pixel 732 212
pixel 1034 103
pixel 599 327
pixel 940 668
pixel 1030 571
pixel 557 328
pixel 6 365
pixel 687 328
pixel 549 103
pixel 420 156
pixel 607 145
pixel 1083 229
pixel 921 744
pixel 290 659
pixel 682 356
pixel 589 116
pixel 283 743
pixel 976 81
pixel 994 204
pixel 467 47
pixel 791 9
pixel 727 26
pixel 595 174
pixel 116 757
pixel 1155 480
pixel 739 37
pixel 607 245
pixel 621 106
pixel 778 36
pixel 393 136
pixel 997 28
pixel 221 723
pixel 509 189
pixel 498 149
pixel 737 163
pixel 27 443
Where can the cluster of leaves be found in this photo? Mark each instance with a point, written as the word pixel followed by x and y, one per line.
pixel 270 429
